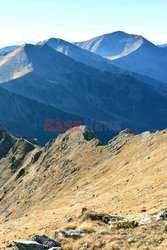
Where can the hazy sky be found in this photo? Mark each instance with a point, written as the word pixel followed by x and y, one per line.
pixel 75 20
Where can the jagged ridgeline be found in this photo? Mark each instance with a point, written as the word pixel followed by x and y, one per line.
pixel 83 193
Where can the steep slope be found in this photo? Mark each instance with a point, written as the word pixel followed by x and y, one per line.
pixel 131 52
pixel 6 142
pixel 81 55
pixel 40 73
pixel 25 117
pixel 73 172
pixel 96 61
pixel 14 153
pixel 50 77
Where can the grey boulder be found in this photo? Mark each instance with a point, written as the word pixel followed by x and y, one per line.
pixel 28 245
pixel 74 233
pixel 162 215
pixel 46 241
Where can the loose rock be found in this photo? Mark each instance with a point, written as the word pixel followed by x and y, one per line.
pixel 145 219
pixel 162 216
pixel 46 241
pixel 74 233
pixel 28 245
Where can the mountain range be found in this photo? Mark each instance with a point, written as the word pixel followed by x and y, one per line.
pixel 58 77
pixel 89 185
pixel 96 61
pixel 81 55
pixel 131 52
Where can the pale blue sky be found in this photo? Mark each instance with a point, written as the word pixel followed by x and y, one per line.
pixel 75 20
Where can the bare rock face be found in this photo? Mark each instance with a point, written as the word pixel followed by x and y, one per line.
pixel 13 153
pixel 20 150
pixel 117 143
pixel 88 133
pixel 73 138
pixel 6 142
pixel 36 156
pixel 145 136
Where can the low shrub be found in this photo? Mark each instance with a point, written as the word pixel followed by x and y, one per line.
pixel 127 224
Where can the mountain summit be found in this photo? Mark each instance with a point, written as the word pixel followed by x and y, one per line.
pixel 113 45
pixel 130 52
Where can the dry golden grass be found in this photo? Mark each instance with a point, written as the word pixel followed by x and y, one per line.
pixel 69 178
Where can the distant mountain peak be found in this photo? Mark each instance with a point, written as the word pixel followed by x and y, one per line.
pixel 23 59
pixel 54 39
pixel 130 52
pixel 54 42
pixel 118 33
pixel 15 64
pixel 113 45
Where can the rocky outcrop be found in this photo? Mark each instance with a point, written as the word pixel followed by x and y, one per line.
pixel 118 142
pixel 47 242
pixel 162 215
pixel 75 234
pixel 28 245
pixel 90 224
pixel 6 142
pixel 19 152
pixel 38 243
pixel 14 151
pixel 36 156
pixel 105 218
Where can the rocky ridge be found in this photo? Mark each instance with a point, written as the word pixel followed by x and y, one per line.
pixel 46 189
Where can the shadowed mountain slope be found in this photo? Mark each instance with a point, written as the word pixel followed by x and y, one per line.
pixel 49 77
pixel 25 117
pixel 131 52
pixel 81 55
